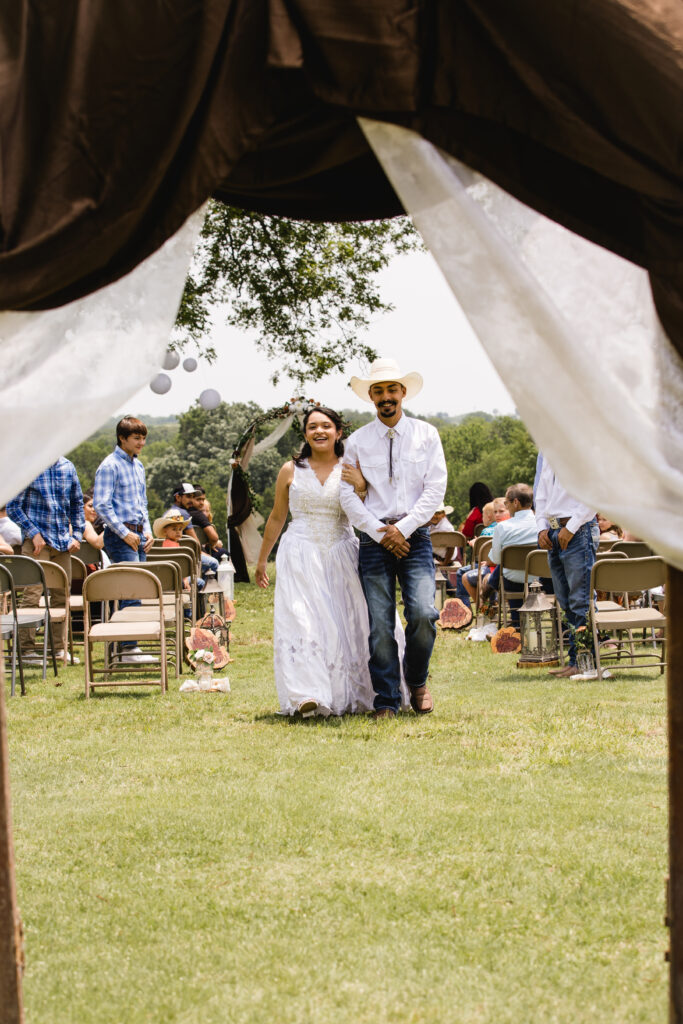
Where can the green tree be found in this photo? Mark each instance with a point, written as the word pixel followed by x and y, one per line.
pixel 498 451
pixel 309 290
pixel 87 456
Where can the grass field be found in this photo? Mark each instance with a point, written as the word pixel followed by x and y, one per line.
pixel 199 859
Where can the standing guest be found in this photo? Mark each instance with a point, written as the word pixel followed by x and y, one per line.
pixel 480 495
pixel 403 463
pixel 50 514
pixel 569 532
pixel 519 528
pixel 9 530
pixel 120 499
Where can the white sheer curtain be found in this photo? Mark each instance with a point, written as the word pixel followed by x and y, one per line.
pixel 64 371
pixel 570 328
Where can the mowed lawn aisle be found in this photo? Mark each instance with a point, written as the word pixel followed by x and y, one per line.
pixel 198 859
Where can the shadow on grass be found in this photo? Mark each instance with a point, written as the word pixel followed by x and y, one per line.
pixel 329 721
pixel 100 693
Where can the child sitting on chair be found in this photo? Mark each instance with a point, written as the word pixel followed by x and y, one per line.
pixel 169 528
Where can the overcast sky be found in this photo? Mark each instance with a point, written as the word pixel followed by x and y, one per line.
pixel 426 332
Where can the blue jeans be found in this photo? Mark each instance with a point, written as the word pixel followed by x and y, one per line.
pixel 209 563
pixel 119 551
pixel 379 570
pixel 571 571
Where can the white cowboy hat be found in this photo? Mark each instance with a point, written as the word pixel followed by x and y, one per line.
pixel 446 509
pixel 170 519
pixel 382 371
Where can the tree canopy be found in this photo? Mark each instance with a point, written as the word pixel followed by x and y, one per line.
pixel 308 290
pixel 497 450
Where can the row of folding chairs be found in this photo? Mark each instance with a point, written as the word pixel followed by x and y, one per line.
pixel 171 566
pixel 159 617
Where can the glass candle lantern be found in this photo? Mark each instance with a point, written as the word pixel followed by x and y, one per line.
pixel 538 630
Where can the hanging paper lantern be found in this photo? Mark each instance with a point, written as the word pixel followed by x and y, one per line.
pixel 171 360
pixel 190 364
pixel 209 399
pixel 160 384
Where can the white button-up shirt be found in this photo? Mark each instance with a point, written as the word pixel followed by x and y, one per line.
pixel 551 499
pixel 416 487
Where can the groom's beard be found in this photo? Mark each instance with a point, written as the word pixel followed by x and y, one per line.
pixel 387 409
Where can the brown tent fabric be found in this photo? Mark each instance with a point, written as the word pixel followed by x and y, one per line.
pixel 117 121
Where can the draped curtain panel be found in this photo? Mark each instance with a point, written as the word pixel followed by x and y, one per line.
pixel 64 371
pixel 571 329
pixel 117 121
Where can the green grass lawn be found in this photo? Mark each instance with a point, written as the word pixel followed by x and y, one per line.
pixel 199 859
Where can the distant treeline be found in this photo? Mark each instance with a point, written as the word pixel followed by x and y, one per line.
pixel 197 446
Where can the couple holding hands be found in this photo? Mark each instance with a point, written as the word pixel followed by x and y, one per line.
pixel 338 644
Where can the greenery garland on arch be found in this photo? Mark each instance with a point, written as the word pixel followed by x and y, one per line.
pixel 296 408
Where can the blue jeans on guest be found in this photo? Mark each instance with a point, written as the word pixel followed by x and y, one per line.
pixel 379 570
pixel 119 551
pixel 571 571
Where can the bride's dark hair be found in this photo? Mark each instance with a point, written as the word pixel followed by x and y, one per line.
pixel 339 424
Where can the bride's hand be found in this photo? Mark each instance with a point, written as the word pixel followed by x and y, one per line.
pixel 352 475
pixel 262 576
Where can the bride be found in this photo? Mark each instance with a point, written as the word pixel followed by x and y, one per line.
pixel 320 629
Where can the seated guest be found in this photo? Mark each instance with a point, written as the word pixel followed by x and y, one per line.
pixel 184 497
pixel 520 528
pixel 169 529
pixel 479 496
pixel 94 526
pixel 440 524
pixel 10 532
pixel 608 529
pixel 195 506
pixel 467 578
pixel 235 553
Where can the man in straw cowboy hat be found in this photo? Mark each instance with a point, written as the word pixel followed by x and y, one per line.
pixel 403 463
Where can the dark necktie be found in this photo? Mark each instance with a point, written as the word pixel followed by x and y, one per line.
pixel 392 435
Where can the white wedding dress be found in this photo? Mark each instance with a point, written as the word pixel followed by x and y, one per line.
pixel 320 629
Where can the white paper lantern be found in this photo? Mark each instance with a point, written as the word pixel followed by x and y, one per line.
pixel 171 360
pixel 209 399
pixel 160 384
pixel 190 364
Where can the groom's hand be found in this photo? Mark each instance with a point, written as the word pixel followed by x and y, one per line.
pixel 394 541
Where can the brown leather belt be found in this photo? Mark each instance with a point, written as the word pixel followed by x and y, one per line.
pixel 135 527
pixel 390 520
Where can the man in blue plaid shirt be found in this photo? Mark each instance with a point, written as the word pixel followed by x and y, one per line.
pixel 120 499
pixel 50 514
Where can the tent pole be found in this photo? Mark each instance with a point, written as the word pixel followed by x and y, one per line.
pixel 11 946
pixel 674 639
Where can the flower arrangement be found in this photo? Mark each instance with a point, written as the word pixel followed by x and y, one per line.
pixel 203 657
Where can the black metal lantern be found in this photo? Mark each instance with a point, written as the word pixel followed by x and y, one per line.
pixel 538 629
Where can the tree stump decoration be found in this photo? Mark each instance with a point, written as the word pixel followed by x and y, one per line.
pixel 506 641
pixel 455 614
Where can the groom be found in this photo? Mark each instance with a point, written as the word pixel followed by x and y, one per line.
pixel 403 463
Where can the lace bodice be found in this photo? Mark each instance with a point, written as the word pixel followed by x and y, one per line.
pixel 316 511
